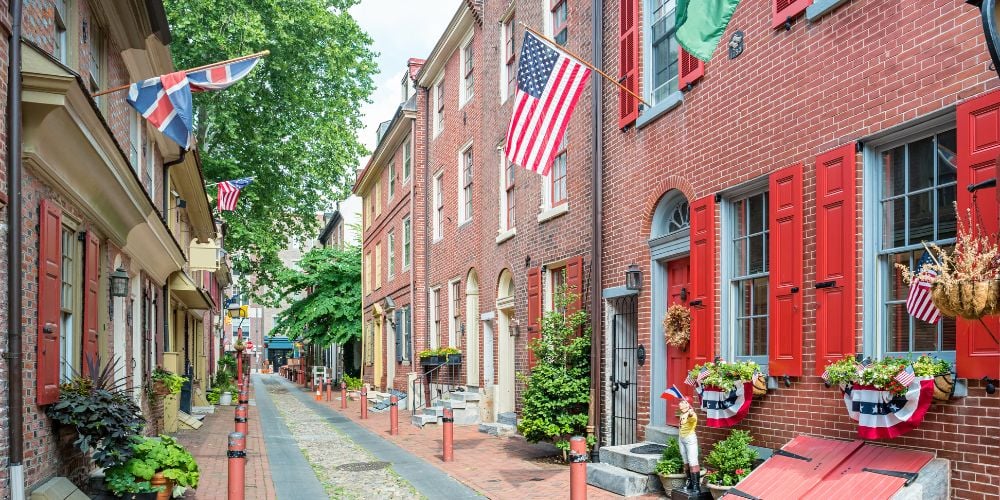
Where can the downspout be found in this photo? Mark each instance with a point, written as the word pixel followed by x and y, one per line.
pixel 425 397
pixel 166 181
pixel 597 241
pixel 15 363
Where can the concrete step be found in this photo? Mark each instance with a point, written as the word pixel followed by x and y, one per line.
pixel 466 416
pixel 435 411
pixel 421 420
pixel 508 418
pixel 660 434
pixel 498 429
pixel 620 481
pixel 451 403
pixel 465 396
pixel 623 457
pixel 202 410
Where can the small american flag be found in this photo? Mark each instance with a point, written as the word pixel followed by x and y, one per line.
pixel 703 374
pixel 549 83
pixel 918 301
pixel 229 192
pixel 905 376
pixel 863 364
pixel 826 375
pixel 689 380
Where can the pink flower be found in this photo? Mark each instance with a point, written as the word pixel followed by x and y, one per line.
pixel 740 472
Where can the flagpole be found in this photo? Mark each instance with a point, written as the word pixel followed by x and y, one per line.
pixel 220 182
pixel 583 62
pixel 119 88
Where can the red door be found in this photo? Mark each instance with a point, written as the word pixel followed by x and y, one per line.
pixel 678 292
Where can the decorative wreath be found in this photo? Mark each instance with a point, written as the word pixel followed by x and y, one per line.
pixel 677 325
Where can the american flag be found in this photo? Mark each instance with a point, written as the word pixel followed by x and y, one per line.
pixel 918 301
pixel 549 83
pixel 905 376
pixel 826 375
pixel 689 380
pixel 703 374
pixel 863 364
pixel 222 76
pixel 229 192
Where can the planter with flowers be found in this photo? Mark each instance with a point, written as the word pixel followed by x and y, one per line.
pixel 729 462
pixel 670 467
pixel 726 390
pixel 159 465
pixel 451 355
pixel 677 326
pixel 430 357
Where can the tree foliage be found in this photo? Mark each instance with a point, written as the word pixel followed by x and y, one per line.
pixel 328 286
pixel 290 124
pixel 557 392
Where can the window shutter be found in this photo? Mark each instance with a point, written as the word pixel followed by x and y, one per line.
pixel 91 288
pixel 976 353
pixel 398 329
pixel 836 253
pixel 49 287
pixel 691 69
pixel 785 261
pixel 408 335
pixel 628 61
pixel 703 257
pixel 782 10
pixel 574 283
pixel 534 310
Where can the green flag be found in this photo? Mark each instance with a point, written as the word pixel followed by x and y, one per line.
pixel 701 23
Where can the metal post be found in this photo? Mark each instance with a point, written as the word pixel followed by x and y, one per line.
pixel 448 429
pixel 343 395
pixel 578 468
pixel 364 403
pixel 393 415
pixel 241 419
pixel 237 465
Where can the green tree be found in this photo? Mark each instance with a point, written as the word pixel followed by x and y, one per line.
pixel 326 297
pixel 557 392
pixel 290 124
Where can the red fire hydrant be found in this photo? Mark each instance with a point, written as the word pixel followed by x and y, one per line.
pixel 393 415
pixel 237 465
pixel 578 468
pixel 448 438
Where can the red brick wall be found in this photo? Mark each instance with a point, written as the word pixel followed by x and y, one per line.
pixel 4 417
pixel 857 71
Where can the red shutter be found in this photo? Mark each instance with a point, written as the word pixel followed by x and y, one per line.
pixel 782 10
pixel 691 69
pixel 785 261
pixel 91 287
pixel 703 250
pixel 574 283
pixel 628 61
pixel 534 309
pixel 49 286
pixel 976 353
pixel 835 255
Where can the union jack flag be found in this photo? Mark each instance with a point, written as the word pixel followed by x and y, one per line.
pixel 918 300
pixel 220 77
pixel 229 192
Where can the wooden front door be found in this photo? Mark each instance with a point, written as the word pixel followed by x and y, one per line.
pixel 678 292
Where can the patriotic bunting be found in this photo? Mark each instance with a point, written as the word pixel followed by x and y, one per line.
pixel 883 415
pixel 726 408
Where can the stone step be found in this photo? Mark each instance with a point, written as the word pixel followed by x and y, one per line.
pixel 465 396
pixel 498 429
pixel 435 411
pixel 454 404
pixel 660 434
pixel 508 418
pixel 623 482
pixel 421 420
pixel 466 416
pixel 623 457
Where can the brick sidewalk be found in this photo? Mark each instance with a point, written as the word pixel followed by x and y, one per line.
pixel 500 468
pixel 209 445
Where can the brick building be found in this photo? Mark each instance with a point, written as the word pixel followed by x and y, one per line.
pixel 98 200
pixel 777 188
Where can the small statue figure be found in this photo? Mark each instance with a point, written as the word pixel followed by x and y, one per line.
pixel 688 441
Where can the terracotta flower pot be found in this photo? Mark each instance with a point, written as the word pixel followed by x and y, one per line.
pixel 717 491
pixel 671 481
pixel 944 387
pixel 168 486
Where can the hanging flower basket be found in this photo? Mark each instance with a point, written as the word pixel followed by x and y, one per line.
pixel 759 384
pixel 944 387
pixel 677 326
pixel 966 299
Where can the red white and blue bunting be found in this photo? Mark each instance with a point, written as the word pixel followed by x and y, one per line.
pixel 726 408
pixel 883 415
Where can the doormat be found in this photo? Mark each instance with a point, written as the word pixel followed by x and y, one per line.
pixel 648 449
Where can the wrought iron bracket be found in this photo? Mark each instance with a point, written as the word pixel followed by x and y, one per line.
pixel 737 492
pixel 792 455
pixel 908 476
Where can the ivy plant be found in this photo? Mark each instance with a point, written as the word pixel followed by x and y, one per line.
pixel 173 381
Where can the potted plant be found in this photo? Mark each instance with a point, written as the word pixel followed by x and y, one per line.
pixel 166 383
pixel 430 357
pixel 724 376
pixel 941 370
pixel 677 326
pixel 159 465
pixel 670 467
pixel 451 355
pixel 730 461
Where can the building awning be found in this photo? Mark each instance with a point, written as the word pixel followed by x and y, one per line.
pixel 190 294
pixel 279 343
pixel 812 467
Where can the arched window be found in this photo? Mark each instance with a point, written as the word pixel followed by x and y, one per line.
pixel 671 216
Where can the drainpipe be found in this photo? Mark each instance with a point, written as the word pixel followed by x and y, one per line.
pixel 597 241
pixel 15 363
pixel 166 181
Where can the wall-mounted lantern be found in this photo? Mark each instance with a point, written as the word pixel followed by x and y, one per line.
pixel 991 28
pixel 633 278
pixel 119 283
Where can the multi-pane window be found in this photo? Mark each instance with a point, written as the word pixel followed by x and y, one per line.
pixel 438 207
pixel 66 299
pixel 918 189
pixel 509 59
pixel 405 330
pixel 150 176
pixel 749 276
pixel 96 54
pixel 61 22
pixel 407 158
pixel 508 180
pixel 435 316
pixel 663 50
pixel 467 65
pixel 392 178
pixel 406 243
pixel 466 207
pixel 377 198
pixel 558 283
pixel 368 273
pixel 438 107
pixel 378 265
pixel 558 14
pixel 558 174
pixel 391 248
pixel 135 140
pixel 454 308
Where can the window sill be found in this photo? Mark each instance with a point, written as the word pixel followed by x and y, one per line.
pixel 553 212
pixel 650 115
pixel 505 235
pixel 819 8
pixel 437 240
pixel 464 223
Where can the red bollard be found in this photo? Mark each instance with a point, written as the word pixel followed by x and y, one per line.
pixel 364 403
pixel 448 429
pixel 343 395
pixel 237 465
pixel 393 415
pixel 241 419
pixel 578 468
pixel 244 398
pixel 329 390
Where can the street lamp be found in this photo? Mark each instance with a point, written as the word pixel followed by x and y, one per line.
pixel 235 310
pixel 119 283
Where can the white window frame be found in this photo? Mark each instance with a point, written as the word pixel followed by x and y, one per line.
pixel 549 28
pixel 548 299
pixel 61 22
pixel 506 89
pixel 875 268
pixel 407 160
pixel 438 102
pixel 506 228
pixel 464 217
pixel 730 304
pixel 68 313
pixel 392 180
pixel 391 250
pixel 438 208
pixel 454 291
pixel 547 210
pixel 407 235
pixel 434 316
pixel 466 80
pixel 135 141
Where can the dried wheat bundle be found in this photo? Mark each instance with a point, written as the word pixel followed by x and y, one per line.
pixel 677 325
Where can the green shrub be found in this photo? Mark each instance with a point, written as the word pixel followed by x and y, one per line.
pixel 731 459
pixel 353 383
pixel 670 460
pixel 149 456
